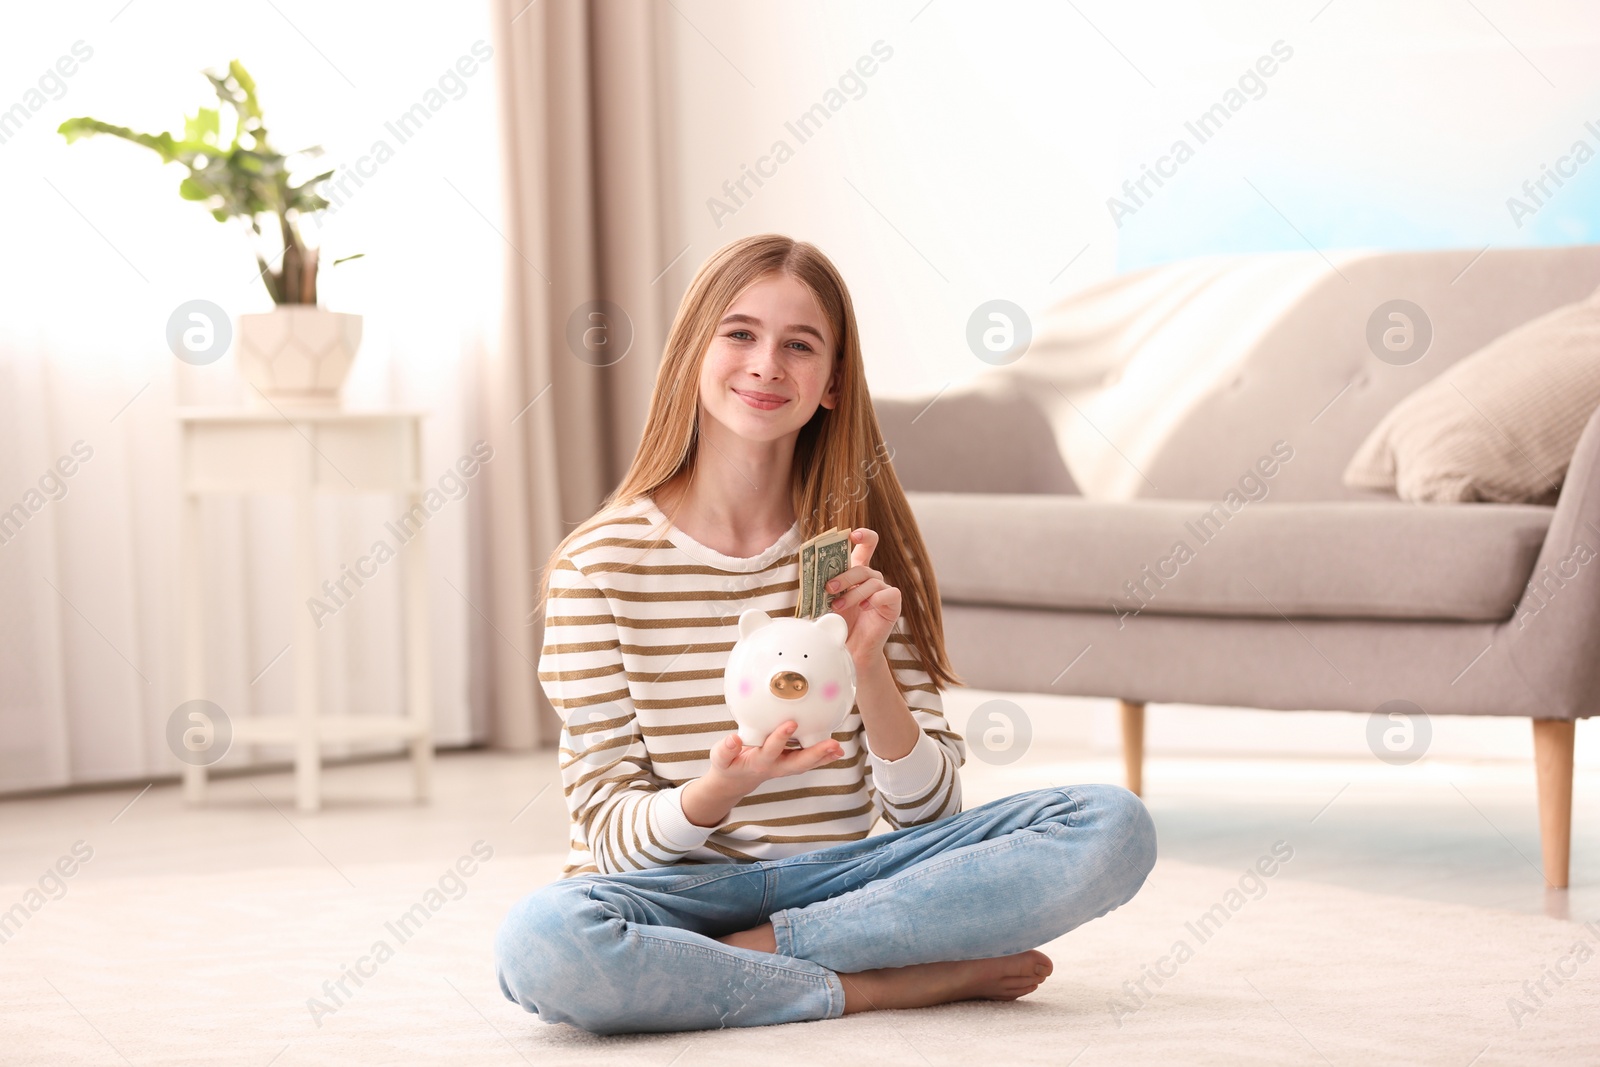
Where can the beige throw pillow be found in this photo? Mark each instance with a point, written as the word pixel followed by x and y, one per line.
pixel 1501 425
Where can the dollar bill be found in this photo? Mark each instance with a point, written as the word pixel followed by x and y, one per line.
pixel 823 558
pixel 808 567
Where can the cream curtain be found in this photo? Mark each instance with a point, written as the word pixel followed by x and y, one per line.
pixel 581 91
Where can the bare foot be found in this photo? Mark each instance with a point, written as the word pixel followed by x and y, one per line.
pixel 926 984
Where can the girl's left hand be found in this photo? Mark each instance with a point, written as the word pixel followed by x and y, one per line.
pixel 869 605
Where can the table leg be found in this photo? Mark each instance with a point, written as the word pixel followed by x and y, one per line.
pixel 419 678
pixel 307 756
pixel 194 776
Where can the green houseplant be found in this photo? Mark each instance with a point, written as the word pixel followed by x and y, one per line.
pixel 299 351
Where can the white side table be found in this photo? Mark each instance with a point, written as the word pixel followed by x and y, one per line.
pixel 302 452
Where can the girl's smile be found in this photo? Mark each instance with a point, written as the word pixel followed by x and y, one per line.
pixel 764 401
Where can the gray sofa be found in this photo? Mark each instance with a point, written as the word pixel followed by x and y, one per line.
pixel 1054 493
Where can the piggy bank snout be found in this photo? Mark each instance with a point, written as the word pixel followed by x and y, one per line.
pixel 788 685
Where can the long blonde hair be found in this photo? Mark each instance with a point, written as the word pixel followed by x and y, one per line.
pixel 842 475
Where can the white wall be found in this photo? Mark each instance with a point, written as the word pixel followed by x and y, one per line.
pixel 978 160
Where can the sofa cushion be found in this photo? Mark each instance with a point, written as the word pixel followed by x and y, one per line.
pixel 1194 557
pixel 1501 425
pixel 987 435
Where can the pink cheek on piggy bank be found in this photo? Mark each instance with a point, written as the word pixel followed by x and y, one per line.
pixel 830 690
pixel 744 687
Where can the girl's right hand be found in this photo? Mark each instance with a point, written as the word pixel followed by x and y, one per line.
pixel 743 767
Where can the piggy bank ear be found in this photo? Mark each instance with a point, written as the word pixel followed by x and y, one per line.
pixel 753 619
pixel 833 628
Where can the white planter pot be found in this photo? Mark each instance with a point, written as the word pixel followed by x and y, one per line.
pixel 297 353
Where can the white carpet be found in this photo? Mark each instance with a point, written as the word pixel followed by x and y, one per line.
pixel 219 968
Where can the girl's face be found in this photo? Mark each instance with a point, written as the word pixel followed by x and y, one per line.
pixel 772 342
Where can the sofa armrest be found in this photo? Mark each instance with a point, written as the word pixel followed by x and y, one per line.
pixel 1554 637
pixel 985 438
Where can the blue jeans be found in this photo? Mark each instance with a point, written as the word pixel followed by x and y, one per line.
pixel 634 952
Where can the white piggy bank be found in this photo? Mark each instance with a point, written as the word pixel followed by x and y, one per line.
pixel 782 669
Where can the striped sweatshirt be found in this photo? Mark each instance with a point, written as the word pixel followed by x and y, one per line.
pixel 638 625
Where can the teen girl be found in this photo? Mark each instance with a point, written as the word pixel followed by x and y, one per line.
pixel 714 884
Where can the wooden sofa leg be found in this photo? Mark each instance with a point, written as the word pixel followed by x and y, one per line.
pixel 1133 746
pixel 1552 759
